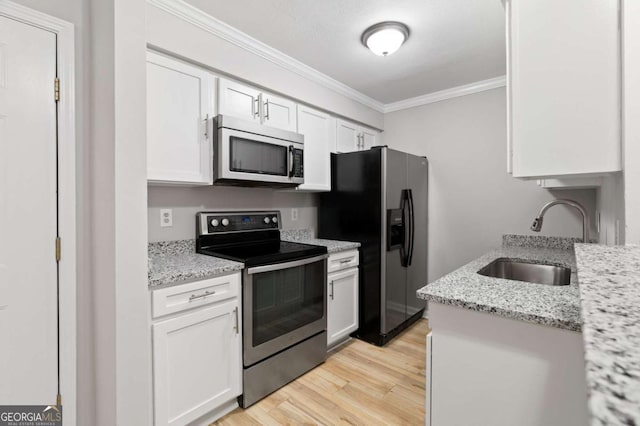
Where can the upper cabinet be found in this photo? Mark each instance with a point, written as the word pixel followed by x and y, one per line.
pixel 319 130
pixel 563 87
pixel 240 100
pixel 180 99
pixel 352 137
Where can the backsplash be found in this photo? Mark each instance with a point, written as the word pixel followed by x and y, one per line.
pixel 186 202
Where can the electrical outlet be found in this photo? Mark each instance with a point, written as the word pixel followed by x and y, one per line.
pixel 294 214
pixel 166 218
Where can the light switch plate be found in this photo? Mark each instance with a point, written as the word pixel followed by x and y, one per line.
pixel 166 218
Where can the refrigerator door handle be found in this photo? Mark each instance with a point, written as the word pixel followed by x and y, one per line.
pixel 412 226
pixel 406 221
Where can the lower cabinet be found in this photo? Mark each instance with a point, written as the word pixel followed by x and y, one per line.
pixel 342 302
pixel 197 362
pixel 502 371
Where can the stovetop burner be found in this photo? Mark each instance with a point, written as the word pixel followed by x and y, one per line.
pixel 250 238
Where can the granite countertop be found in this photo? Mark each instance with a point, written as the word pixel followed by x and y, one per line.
pixel 306 236
pixel 610 304
pixel 171 262
pixel 556 306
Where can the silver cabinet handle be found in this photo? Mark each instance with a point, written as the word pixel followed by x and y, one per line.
pixel 343 261
pixel 235 327
pixel 256 107
pixel 206 127
pixel 331 293
pixel 201 296
pixel 266 109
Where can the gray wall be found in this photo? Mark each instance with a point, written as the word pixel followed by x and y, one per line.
pixel 185 202
pixel 472 199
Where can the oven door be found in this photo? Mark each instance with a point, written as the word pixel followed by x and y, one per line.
pixel 252 157
pixel 283 304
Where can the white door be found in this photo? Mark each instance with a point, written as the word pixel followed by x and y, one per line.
pixel 238 100
pixel 197 364
pixel 28 215
pixel 347 137
pixel 180 98
pixel 279 112
pixel 319 133
pixel 368 138
pixel 342 308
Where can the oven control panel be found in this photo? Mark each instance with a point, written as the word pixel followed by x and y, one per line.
pixel 219 222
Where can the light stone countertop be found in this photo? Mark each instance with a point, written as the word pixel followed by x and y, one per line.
pixel 556 306
pixel 172 262
pixel 610 304
pixel 306 236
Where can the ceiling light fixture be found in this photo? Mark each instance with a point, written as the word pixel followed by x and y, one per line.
pixel 385 38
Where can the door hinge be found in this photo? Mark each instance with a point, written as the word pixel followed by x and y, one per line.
pixel 58 250
pixel 59 400
pixel 57 89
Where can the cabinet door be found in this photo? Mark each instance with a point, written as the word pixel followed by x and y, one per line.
pixel 238 100
pixel 196 363
pixel 342 307
pixel 347 136
pixel 564 82
pixel 319 133
pixel 368 138
pixel 180 97
pixel 278 112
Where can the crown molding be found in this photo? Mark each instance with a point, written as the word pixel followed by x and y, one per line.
pixel 454 92
pixel 199 18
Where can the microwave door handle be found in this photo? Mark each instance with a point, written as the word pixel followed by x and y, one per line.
pixel 291 165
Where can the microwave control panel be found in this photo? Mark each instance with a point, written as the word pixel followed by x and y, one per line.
pixel 298 163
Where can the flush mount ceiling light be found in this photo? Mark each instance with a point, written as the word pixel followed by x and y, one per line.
pixel 385 38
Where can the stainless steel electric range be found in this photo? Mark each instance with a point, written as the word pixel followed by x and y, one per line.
pixel 283 297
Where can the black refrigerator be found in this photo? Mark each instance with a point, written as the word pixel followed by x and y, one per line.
pixel 379 198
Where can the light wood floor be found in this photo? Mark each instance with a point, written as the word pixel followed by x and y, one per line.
pixel 359 384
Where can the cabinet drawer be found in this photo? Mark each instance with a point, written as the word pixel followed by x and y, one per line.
pixel 343 260
pixel 200 293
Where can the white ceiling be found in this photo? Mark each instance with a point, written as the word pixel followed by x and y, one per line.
pixel 452 42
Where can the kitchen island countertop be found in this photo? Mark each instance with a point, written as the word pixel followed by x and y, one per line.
pixel 556 306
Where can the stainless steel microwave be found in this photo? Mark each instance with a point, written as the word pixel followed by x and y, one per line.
pixel 250 154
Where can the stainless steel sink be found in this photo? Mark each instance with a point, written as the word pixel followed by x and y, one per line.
pixel 530 272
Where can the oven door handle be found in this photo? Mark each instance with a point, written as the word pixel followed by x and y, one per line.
pixel 286 265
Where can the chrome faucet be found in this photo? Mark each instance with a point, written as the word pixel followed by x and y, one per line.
pixel 537 222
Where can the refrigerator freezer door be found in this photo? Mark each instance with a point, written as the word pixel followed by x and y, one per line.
pixel 394 276
pixel 417 271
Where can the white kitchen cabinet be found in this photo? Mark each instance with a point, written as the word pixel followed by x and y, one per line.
pixel 197 359
pixel 342 297
pixel 563 87
pixel 278 112
pixel 319 133
pixel 180 98
pixel 352 137
pixel 242 101
pixel 238 100
pixel 503 371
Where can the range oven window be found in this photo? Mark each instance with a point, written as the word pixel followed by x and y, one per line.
pixel 251 156
pixel 286 299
